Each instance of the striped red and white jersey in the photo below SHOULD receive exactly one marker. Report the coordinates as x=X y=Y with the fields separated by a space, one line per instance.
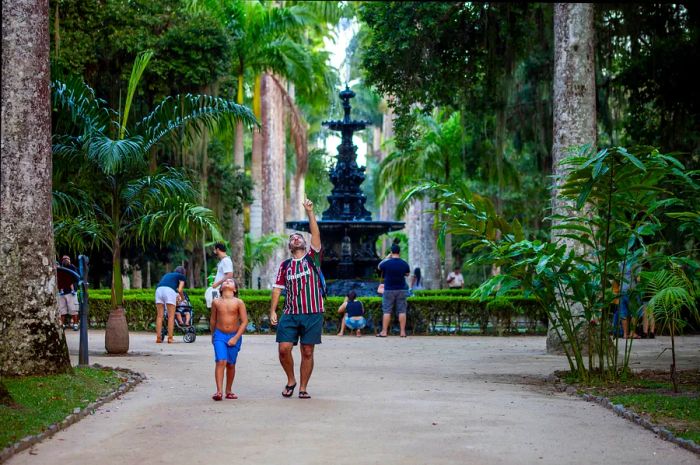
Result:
x=303 y=285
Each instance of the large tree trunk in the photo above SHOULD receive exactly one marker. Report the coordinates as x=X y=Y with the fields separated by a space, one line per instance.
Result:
x=422 y=243
x=387 y=210
x=574 y=98
x=256 y=174
x=237 y=231
x=273 y=170
x=31 y=342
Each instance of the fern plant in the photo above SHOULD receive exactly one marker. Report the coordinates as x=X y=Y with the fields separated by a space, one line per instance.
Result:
x=670 y=292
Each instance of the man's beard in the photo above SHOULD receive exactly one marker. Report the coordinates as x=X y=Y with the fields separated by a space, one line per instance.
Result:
x=293 y=249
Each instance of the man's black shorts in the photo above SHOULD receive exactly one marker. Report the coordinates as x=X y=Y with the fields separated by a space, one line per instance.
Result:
x=305 y=327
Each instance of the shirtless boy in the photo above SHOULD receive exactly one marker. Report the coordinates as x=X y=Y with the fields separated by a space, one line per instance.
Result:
x=229 y=320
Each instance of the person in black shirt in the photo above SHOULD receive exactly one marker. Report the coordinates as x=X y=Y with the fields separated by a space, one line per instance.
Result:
x=354 y=314
x=395 y=294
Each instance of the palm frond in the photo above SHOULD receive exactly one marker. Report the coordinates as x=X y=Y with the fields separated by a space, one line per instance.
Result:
x=175 y=218
x=137 y=70
x=114 y=156
x=73 y=99
x=181 y=111
x=148 y=192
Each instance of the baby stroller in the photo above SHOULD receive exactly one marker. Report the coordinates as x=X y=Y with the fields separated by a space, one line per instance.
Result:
x=186 y=312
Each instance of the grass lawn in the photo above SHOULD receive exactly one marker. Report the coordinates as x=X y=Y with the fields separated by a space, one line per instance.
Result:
x=41 y=401
x=650 y=394
x=680 y=413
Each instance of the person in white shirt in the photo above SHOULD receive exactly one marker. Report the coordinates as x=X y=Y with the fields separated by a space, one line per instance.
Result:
x=224 y=270
x=455 y=280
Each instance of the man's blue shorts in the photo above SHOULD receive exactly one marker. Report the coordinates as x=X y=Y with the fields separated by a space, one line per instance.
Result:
x=306 y=328
x=222 y=351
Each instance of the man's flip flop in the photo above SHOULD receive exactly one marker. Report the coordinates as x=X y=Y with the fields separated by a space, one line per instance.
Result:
x=289 y=390
x=380 y=335
x=304 y=395
x=217 y=396
x=231 y=395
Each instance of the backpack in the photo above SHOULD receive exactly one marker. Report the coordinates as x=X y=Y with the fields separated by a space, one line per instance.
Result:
x=312 y=265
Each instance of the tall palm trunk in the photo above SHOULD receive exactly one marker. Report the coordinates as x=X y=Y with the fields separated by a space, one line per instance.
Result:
x=574 y=99
x=31 y=342
x=273 y=169
x=387 y=210
x=423 y=252
x=237 y=231
x=256 y=174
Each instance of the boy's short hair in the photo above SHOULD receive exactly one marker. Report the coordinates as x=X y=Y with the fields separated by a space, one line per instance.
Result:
x=220 y=246
x=395 y=248
x=180 y=269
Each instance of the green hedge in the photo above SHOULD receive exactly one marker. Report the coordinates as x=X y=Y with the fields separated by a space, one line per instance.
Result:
x=426 y=315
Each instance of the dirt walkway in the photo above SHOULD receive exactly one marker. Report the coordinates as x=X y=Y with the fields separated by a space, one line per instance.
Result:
x=420 y=400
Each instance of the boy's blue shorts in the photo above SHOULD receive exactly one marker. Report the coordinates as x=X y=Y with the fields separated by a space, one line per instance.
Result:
x=222 y=351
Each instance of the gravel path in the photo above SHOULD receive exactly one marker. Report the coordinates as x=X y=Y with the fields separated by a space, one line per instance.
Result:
x=419 y=400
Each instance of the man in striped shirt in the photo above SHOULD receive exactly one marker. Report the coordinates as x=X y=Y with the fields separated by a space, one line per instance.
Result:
x=302 y=318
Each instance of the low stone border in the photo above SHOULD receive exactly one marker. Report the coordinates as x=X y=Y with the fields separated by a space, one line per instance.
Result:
x=623 y=412
x=133 y=378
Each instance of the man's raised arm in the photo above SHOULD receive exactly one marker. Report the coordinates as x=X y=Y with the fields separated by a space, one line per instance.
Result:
x=313 y=225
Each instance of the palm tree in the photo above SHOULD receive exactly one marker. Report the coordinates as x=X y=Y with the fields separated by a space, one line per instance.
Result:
x=438 y=156
x=277 y=40
x=258 y=252
x=107 y=197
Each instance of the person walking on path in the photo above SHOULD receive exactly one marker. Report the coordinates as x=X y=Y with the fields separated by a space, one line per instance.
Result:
x=302 y=319
x=224 y=269
x=394 y=270
x=67 y=293
x=228 y=322
x=169 y=290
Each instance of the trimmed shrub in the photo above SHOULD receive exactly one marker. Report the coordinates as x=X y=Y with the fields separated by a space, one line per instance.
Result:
x=426 y=314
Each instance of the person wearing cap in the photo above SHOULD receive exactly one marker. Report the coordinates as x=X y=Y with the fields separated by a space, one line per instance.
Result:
x=395 y=270
x=67 y=293
x=169 y=290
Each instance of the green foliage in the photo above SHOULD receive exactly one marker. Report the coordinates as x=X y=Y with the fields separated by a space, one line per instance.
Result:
x=258 y=251
x=681 y=412
x=669 y=292
x=619 y=200
x=427 y=314
x=107 y=195
x=44 y=400
x=317 y=184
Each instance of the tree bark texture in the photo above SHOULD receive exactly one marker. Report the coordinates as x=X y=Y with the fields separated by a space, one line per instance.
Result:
x=422 y=243
x=32 y=341
x=273 y=171
x=574 y=106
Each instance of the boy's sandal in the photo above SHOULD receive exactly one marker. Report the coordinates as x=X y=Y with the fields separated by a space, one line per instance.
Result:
x=231 y=395
x=170 y=340
x=304 y=395
x=159 y=340
x=217 y=396
x=289 y=390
